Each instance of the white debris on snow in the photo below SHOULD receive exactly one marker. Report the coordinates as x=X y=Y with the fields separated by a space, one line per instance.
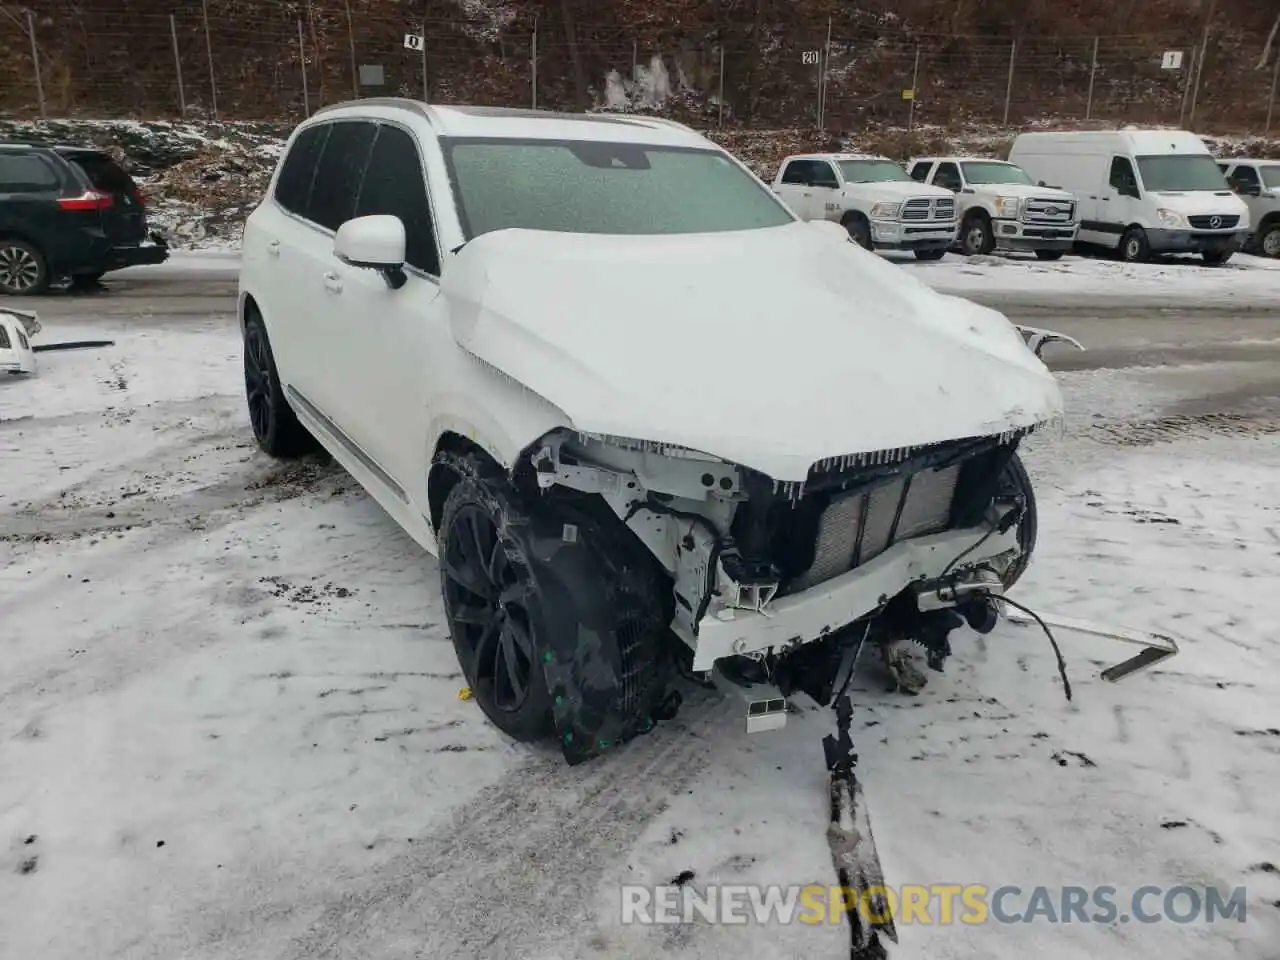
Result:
x=230 y=723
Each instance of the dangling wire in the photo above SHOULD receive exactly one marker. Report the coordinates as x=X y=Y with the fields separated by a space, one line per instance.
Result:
x=1057 y=652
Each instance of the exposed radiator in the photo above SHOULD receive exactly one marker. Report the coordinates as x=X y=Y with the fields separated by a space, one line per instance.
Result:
x=857 y=527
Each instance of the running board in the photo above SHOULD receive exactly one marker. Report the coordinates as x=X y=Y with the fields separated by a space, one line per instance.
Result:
x=1157 y=647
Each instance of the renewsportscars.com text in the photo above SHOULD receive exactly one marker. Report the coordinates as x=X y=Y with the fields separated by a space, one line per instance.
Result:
x=939 y=904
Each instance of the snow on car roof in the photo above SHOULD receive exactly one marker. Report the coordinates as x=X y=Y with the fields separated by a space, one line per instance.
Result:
x=519 y=123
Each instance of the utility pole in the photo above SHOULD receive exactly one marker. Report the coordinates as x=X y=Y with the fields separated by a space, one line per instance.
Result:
x=1204 y=47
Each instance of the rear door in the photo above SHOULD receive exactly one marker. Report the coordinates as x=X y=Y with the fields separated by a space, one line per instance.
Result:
x=124 y=218
x=30 y=183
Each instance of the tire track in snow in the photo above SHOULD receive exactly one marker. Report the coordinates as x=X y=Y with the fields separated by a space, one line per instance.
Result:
x=516 y=871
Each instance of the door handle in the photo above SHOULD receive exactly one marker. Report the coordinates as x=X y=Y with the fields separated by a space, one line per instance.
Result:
x=333 y=283
x=273 y=248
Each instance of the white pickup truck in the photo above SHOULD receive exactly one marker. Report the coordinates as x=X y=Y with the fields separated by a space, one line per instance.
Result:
x=873 y=198
x=1257 y=183
x=1002 y=207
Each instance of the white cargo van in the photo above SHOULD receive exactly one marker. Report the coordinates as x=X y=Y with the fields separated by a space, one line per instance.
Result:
x=1140 y=191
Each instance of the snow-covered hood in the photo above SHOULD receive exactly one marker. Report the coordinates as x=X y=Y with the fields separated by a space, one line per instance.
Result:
x=895 y=190
x=1193 y=203
x=770 y=348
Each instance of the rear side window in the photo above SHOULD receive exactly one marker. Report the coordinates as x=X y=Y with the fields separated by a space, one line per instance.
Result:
x=346 y=152
x=394 y=184
x=26 y=172
x=293 y=187
x=921 y=170
x=104 y=173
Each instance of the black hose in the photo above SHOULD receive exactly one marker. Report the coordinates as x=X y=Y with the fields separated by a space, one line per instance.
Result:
x=1053 y=642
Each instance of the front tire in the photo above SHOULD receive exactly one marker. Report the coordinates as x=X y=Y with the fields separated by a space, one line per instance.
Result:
x=1134 y=247
x=275 y=427
x=930 y=254
x=859 y=231
x=976 y=237
x=1049 y=254
x=1269 y=241
x=23 y=269
x=1214 y=258
x=1015 y=481
x=490 y=603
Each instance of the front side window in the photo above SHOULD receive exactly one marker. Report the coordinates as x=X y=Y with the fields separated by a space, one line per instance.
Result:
x=579 y=186
x=394 y=183
x=1244 y=179
x=992 y=172
x=1122 y=177
x=338 y=175
x=872 y=171
x=1184 y=173
x=948 y=177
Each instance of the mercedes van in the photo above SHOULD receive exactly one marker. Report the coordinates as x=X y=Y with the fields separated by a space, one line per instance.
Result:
x=1141 y=192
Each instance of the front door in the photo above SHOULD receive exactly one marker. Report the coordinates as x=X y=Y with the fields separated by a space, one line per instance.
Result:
x=1119 y=204
x=393 y=337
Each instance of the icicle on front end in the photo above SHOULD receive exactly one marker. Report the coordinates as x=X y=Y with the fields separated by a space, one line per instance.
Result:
x=853 y=848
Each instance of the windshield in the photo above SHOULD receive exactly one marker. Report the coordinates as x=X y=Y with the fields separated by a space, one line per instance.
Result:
x=580 y=186
x=1175 y=174
x=992 y=172
x=872 y=171
x=1271 y=177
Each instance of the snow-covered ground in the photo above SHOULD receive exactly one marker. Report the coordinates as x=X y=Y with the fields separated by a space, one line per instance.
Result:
x=230 y=724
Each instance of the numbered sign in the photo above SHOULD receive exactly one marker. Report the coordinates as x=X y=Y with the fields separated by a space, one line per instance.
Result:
x=412 y=41
x=1171 y=60
x=809 y=57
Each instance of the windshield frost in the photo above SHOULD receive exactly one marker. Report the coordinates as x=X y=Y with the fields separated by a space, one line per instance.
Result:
x=995 y=173
x=1183 y=173
x=598 y=187
x=872 y=171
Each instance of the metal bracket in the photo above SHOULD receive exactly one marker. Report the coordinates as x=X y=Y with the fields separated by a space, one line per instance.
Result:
x=1038 y=338
x=1157 y=647
x=766 y=706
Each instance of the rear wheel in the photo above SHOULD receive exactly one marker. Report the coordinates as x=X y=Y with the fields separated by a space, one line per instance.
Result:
x=275 y=427
x=23 y=270
x=488 y=592
x=930 y=254
x=1049 y=254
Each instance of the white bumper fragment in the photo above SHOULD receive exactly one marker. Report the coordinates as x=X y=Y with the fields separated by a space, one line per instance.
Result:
x=16 y=355
x=828 y=606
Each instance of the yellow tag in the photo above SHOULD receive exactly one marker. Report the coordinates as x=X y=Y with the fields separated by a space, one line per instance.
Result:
x=464 y=693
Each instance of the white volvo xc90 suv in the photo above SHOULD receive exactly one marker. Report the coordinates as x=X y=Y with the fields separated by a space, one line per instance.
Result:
x=643 y=415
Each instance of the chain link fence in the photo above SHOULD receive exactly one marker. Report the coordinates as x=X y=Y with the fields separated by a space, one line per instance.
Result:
x=285 y=60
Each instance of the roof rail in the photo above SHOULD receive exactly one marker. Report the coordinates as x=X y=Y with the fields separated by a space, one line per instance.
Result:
x=419 y=107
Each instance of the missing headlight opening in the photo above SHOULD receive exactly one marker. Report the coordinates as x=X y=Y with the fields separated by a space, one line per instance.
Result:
x=770 y=583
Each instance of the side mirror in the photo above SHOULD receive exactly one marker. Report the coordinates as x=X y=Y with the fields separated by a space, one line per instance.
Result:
x=1252 y=190
x=374 y=243
x=1041 y=184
